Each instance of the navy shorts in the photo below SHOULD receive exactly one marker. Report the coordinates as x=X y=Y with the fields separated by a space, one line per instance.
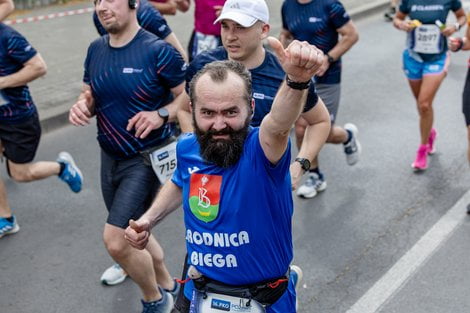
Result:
x=20 y=141
x=128 y=188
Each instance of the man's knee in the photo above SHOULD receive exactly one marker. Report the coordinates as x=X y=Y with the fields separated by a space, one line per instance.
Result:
x=19 y=172
x=114 y=241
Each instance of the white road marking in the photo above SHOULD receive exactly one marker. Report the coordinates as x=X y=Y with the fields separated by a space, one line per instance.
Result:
x=415 y=258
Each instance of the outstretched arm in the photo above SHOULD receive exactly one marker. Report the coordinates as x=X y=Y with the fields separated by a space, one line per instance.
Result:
x=32 y=69
x=300 y=62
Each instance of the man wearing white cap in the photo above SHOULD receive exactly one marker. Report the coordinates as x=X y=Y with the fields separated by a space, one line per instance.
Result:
x=244 y=26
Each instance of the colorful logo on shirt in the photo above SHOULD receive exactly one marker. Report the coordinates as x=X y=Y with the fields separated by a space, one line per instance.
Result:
x=204 y=196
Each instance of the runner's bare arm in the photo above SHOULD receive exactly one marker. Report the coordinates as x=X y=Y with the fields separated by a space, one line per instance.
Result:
x=173 y=40
x=285 y=37
x=300 y=61
x=168 y=200
x=184 y=114
x=32 y=69
x=314 y=138
x=6 y=7
x=455 y=27
x=165 y=8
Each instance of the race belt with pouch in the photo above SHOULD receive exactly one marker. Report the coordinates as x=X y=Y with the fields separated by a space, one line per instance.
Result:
x=162 y=158
x=211 y=296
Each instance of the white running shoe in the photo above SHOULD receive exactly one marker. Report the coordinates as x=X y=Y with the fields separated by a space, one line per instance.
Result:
x=312 y=186
x=113 y=275
x=353 y=148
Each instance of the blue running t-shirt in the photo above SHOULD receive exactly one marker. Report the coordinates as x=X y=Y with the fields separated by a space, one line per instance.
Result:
x=316 y=22
x=148 y=17
x=428 y=13
x=266 y=80
x=16 y=104
x=238 y=220
x=127 y=80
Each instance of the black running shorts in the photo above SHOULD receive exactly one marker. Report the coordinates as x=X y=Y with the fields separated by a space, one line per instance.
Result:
x=20 y=141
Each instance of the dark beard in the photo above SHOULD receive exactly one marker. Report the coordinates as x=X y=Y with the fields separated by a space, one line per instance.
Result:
x=222 y=152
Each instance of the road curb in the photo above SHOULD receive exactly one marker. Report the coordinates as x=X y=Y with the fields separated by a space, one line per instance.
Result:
x=369 y=9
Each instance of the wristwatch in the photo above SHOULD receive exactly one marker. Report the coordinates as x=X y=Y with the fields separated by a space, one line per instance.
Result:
x=164 y=114
x=304 y=163
x=330 y=58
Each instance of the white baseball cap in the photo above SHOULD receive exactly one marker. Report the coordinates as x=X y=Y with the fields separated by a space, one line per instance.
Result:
x=245 y=12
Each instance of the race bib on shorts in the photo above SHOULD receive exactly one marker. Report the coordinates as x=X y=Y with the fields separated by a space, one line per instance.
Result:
x=205 y=42
x=164 y=161
x=427 y=39
x=218 y=303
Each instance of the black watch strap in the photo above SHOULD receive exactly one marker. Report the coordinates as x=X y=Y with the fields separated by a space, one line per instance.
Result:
x=304 y=163
x=297 y=85
x=164 y=114
x=330 y=58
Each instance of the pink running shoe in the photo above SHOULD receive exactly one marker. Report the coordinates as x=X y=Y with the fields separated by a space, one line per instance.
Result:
x=432 y=141
x=421 y=162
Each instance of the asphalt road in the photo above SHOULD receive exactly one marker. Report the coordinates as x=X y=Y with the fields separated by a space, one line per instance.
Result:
x=345 y=240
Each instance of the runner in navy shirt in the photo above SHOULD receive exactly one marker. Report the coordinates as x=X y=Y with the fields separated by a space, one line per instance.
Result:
x=325 y=24
x=131 y=80
x=20 y=130
x=244 y=44
x=151 y=20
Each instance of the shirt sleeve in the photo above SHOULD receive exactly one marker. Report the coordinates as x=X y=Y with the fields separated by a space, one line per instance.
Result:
x=19 y=48
x=283 y=16
x=456 y=5
x=151 y=20
x=338 y=15
x=404 y=8
x=190 y=72
x=177 y=178
x=171 y=66
x=86 y=74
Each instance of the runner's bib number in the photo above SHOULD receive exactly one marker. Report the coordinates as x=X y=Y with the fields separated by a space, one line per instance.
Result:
x=205 y=42
x=427 y=39
x=164 y=161
x=216 y=303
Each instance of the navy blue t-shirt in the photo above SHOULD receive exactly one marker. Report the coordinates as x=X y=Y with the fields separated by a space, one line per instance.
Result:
x=266 y=80
x=148 y=17
x=316 y=22
x=16 y=104
x=428 y=13
x=127 y=80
